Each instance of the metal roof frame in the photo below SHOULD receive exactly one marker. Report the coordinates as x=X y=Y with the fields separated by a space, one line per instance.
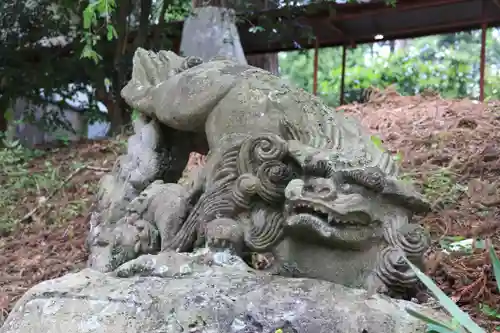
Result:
x=356 y=23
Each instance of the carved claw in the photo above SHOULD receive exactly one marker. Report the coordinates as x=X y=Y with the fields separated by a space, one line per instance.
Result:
x=224 y=233
x=261 y=261
x=165 y=264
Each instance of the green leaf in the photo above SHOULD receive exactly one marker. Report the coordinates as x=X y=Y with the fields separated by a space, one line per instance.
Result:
x=489 y=311
x=88 y=16
x=87 y=49
x=480 y=244
x=398 y=157
x=431 y=321
x=96 y=57
x=9 y=115
x=88 y=52
x=377 y=141
x=255 y=29
x=461 y=317
x=438 y=329
x=111 y=32
x=495 y=262
x=454 y=238
x=102 y=6
x=135 y=114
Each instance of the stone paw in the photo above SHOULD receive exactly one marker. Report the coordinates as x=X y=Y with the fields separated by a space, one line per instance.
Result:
x=224 y=233
x=261 y=261
x=216 y=243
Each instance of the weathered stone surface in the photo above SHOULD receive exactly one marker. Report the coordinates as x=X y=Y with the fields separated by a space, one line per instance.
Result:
x=211 y=31
x=201 y=292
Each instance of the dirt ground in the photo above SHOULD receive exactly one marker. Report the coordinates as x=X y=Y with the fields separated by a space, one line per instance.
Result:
x=450 y=148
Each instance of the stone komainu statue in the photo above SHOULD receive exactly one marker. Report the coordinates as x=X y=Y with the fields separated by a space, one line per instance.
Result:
x=284 y=174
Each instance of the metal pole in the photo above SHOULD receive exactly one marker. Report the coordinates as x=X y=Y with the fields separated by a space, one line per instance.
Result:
x=342 y=79
x=315 y=74
x=482 y=63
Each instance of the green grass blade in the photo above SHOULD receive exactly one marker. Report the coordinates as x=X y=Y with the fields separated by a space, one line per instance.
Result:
x=431 y=328
x=461 y=317
x=495 y=262
x=428 y=320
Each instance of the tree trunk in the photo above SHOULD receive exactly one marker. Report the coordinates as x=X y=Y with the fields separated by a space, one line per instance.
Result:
x=4 y=105
x=392 y=46
x=142 y=34
x=267 y=61
x=3 y=121
x=118 y=114
x=401 y=44
x=160 y=27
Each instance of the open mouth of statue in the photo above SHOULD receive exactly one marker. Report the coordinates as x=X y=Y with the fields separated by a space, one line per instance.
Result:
x=324 y=214
x=329 y=225
x=317 y=211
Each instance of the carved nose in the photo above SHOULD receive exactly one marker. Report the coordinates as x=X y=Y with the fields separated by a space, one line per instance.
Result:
x=320 y=191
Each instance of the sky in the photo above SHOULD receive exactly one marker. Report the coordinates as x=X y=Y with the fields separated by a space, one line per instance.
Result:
x=80 y=100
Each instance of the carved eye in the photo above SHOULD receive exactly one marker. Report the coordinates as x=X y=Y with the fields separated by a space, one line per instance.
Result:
x=347 y=188
x=197 y=61
x=191 y=62
x=102 y=242
x=371 y=177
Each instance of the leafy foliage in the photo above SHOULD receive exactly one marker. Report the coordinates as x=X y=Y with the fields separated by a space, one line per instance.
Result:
x=15 y=177
x=35 y=63
x=92 y=29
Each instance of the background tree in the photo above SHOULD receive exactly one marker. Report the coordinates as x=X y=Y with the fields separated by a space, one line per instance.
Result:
x=267 y=61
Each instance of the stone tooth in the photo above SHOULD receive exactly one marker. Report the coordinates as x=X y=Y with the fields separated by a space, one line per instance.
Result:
x=319 y=209
x=330 y=218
